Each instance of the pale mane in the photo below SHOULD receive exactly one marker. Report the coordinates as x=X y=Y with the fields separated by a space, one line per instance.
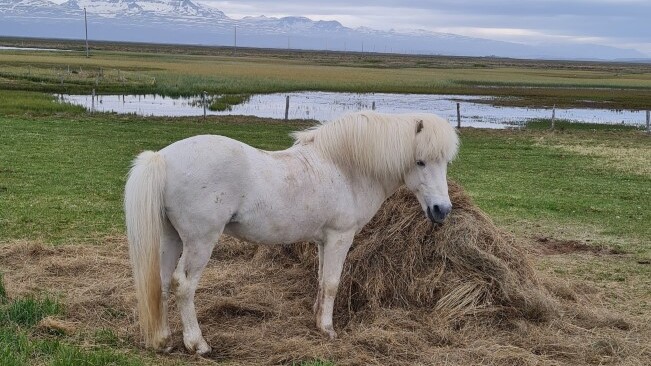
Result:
x=382 y=145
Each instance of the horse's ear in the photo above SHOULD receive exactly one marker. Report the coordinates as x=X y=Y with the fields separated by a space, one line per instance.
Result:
x=419 y=126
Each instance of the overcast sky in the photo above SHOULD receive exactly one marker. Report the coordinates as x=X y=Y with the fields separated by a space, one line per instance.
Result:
x=621 y=23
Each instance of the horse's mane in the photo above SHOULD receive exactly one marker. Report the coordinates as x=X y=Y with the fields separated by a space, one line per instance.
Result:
x=382 y=145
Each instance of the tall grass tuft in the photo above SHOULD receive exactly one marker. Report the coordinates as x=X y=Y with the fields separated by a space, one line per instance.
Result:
x=29 y=311
x=3 y=290
x=14 y=347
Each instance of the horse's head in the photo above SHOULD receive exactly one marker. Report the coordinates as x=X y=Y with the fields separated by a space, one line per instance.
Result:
x=436 y=145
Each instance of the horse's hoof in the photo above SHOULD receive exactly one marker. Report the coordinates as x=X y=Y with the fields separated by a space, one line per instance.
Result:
x=204 y=350
x=199 y=347
x=166 y=350
x=330 y=332
x=163 y=344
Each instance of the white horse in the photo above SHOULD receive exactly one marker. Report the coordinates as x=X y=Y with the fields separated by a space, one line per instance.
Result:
x=324 y=189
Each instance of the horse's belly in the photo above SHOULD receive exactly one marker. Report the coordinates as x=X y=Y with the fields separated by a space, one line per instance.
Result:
x=272 y=233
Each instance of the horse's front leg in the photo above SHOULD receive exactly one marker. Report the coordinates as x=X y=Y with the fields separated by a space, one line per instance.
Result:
x=317 y=300
x=335 y=250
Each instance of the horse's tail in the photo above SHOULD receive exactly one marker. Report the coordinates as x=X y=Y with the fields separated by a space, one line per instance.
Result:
x=144 y=210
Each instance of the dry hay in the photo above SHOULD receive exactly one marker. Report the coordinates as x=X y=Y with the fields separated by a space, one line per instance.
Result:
x=466 y=267
x=461 y=293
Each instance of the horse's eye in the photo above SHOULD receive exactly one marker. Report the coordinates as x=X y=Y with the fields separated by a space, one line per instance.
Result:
x=420 y=163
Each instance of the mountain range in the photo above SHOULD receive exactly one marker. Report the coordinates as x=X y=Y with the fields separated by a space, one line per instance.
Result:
x=187 y=22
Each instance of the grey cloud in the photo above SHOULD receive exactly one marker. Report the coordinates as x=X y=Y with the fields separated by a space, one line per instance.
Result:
x=622 y=21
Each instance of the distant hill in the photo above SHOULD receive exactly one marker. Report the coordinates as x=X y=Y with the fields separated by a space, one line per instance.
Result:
x=186 y=22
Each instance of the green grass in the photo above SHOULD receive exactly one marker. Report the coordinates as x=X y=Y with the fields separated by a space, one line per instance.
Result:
x=22 y=343
x=3 y=290
x=61 y=179
x=227 y=101
x=24 y=347
x=30 y=310
x=540 y=179
x=32 y=103
x=564 y=125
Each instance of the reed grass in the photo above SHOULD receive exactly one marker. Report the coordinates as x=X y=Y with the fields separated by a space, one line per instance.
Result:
x=227 y=101
x=34 y=103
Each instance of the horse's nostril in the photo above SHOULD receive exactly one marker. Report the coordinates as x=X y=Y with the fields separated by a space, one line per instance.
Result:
x=430 y=214
x=437 y=210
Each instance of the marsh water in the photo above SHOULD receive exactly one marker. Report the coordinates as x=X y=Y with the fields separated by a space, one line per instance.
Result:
x=476 y=111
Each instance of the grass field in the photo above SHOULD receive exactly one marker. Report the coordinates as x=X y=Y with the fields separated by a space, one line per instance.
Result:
x=62 y=171
x=126 y=68
x=72 y=169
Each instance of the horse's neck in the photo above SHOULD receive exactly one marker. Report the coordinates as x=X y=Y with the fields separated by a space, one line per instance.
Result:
x=368 y=192
x=379 y=189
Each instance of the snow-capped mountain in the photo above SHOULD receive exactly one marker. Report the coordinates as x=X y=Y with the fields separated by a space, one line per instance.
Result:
x=187 y=22
x=155 y=8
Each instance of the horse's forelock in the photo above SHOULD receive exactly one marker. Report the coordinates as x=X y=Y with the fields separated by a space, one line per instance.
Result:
x=437 y=140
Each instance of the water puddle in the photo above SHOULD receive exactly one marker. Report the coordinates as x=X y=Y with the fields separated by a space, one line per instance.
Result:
x=325 y=106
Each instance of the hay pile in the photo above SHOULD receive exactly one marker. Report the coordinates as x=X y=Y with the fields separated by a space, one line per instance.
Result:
x=466 y=267
x=463 y=293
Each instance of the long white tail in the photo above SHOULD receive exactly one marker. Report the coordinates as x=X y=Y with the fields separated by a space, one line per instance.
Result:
x=144 y=209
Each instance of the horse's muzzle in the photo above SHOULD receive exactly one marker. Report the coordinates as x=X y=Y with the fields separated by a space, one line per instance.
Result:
x=438 y=213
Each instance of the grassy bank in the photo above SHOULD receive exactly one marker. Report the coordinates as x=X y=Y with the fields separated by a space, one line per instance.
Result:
x=125 y=68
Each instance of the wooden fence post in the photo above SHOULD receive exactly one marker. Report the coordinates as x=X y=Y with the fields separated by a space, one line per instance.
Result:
x=553 y=115
x=458 y=115
x=92 y=102
x=203 y=102
x=373 y=106
x=286 y=108
x=648 y=121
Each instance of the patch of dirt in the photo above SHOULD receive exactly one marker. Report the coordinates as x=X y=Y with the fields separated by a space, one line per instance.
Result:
x=633 y=160
x=551 y=246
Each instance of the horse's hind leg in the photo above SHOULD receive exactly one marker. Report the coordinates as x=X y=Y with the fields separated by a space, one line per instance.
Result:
x=170 y=251
x=196 y=253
